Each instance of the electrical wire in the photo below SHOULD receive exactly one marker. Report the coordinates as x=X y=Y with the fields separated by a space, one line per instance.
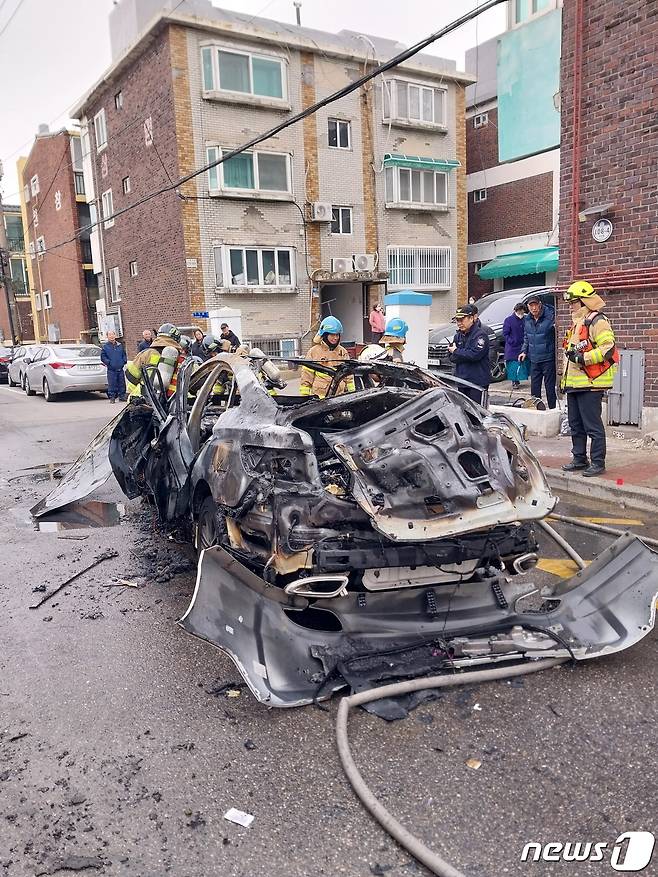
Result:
x=332 y=98
x=9 y=20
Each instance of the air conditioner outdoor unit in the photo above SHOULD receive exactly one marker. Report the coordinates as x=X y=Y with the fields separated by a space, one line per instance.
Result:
x=321 y=211
x=341 y=266
x=364 y=261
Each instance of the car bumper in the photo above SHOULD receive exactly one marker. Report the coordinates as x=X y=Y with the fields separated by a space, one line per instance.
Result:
x=60 y=382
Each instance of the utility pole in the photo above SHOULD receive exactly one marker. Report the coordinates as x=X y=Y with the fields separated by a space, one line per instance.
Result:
x=4 y=266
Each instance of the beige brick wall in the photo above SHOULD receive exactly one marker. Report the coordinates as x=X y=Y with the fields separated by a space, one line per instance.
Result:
x=461 y=266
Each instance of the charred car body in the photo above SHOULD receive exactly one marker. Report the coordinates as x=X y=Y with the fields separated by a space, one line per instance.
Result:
x=381 y=534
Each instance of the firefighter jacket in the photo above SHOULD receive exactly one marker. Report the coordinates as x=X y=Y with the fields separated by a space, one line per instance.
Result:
x=471 y=357
x=592 y=335
x=316 y=383
x=150 y=357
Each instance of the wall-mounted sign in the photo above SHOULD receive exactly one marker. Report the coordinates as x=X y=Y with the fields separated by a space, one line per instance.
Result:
x=601 y=230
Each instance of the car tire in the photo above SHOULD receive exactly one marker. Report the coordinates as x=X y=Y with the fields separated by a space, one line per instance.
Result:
x=28 y=389
x=499 y=370
x=211 y=527
x=48 y=394
x=10 y=383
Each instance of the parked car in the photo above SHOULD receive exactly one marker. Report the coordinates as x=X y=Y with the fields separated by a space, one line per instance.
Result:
x=64 y=368
x=493 y=309
x=6 y=354
x=16 y=370
x=379 y=534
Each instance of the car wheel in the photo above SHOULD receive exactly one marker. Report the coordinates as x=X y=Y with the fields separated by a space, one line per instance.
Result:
x=28 y=389
x=499 y=370
x=48 y=394
x=10 y=383
x=211 y=528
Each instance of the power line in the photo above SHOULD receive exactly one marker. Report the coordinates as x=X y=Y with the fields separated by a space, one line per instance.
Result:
x=9 y=20
x=309 y=111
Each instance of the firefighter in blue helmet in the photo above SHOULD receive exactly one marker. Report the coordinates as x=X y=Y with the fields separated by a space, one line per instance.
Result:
x=470 y=351
x=328 y=350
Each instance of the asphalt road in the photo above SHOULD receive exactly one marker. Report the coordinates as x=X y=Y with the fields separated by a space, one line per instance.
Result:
x=121 y=748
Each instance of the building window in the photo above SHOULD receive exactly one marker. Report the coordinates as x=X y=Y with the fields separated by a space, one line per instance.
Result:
x=34 y=185
x=47 y=300
x=480 y=120
x=26 y=193
x=479 y=195
x=41 y=246
x=247 y=266
x=125 y=182
x=118 y=100
x=478 y=265
x=418 y=267
x=108 y=209
x=114 y=282
x=35 y=217
x=409 y=186
x=242 y=73
x=148 y=131
x=133 y=269
x=37 y=301
x=340 y=135
x=522 y=10
x=100 y=130
x=58 y=200
x=250 y=172
x=79 y=182
x=409 y=102
x=341 y=220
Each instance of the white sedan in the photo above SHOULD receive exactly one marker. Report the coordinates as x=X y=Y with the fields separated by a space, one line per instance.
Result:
x=64 y=368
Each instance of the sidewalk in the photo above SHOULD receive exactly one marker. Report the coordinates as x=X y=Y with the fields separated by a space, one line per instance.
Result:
x=631 y=476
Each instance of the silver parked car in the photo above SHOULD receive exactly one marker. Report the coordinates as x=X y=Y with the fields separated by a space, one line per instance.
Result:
x=17 y=366
x=64 y=368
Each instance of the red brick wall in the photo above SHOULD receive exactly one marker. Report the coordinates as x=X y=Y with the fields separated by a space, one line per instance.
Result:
x=151 y=235
x=617 y=163
x=511 y=209
x=477 y=287
x=59 y=270
x=482 y=144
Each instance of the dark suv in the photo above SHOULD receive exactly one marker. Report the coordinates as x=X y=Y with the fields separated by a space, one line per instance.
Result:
x=493 y=309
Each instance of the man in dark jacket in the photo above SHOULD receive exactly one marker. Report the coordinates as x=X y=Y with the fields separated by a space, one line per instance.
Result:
x=113 y=357
x=539 y=347
x=229 y=335
x=147 y=339
x=513 y=334
x=470 y=351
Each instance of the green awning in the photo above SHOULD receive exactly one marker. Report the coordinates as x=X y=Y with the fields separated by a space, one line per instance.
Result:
x=395 y=159
x=515 y=264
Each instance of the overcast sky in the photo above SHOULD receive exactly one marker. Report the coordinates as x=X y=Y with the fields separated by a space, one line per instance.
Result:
x=51 y=51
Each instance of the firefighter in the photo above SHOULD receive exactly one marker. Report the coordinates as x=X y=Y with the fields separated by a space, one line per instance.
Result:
x=394 y=339
x=470 y=352
x=328 y=350
x=161 y=355
x=589 y=367
x=211 y=347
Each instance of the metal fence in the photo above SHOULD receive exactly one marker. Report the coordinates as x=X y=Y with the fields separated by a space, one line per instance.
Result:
x=278 y=347
x=419 y=267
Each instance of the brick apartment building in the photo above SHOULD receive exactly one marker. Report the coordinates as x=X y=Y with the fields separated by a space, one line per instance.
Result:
x=379 y=176
x=512 y=151
x=55 y=206
x=19 y=284
x=608 y=158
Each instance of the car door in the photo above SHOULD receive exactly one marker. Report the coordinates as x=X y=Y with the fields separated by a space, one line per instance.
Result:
x=14 y=365
x=34 y=369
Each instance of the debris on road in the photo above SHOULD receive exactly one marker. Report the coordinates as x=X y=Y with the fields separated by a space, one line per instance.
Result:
x=239 y=817
x=105 y=555
x=473 y=763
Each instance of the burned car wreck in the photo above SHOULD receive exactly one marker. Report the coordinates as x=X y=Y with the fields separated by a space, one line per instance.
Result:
x=378 y=535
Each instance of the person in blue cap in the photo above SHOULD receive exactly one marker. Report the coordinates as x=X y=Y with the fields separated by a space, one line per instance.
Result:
x=470 y=351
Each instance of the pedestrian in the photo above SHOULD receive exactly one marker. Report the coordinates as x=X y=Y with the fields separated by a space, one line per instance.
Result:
x=113 y=357
x=470 y=352
x=147 y=339
x=197 y=348
x=589 y=367
x=230 y=335
x=539 y=348
x=377 y=322
x=327 y=350
x=513 y=334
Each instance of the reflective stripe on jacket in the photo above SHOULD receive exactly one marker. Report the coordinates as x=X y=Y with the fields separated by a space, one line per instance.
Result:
x=316 y=383
x=574 y=376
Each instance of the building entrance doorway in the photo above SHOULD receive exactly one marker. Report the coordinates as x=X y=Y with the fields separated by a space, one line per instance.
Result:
x=351 y=302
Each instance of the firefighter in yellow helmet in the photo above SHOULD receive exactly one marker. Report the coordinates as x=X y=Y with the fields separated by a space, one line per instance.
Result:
x=589 y=367
x=328 y=350
x=162 y=355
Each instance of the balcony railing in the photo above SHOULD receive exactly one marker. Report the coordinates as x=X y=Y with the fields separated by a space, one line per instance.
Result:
x=16 y=245
x=79 y=182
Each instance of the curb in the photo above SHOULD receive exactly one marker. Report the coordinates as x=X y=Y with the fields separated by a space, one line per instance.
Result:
x=643 y=498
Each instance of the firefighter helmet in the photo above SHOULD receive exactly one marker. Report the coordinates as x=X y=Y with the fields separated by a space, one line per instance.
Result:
x=396 y=328
x=330 y=326
x=579 y=289
x=170 y=331
x=210 y=344
x=185 y=343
